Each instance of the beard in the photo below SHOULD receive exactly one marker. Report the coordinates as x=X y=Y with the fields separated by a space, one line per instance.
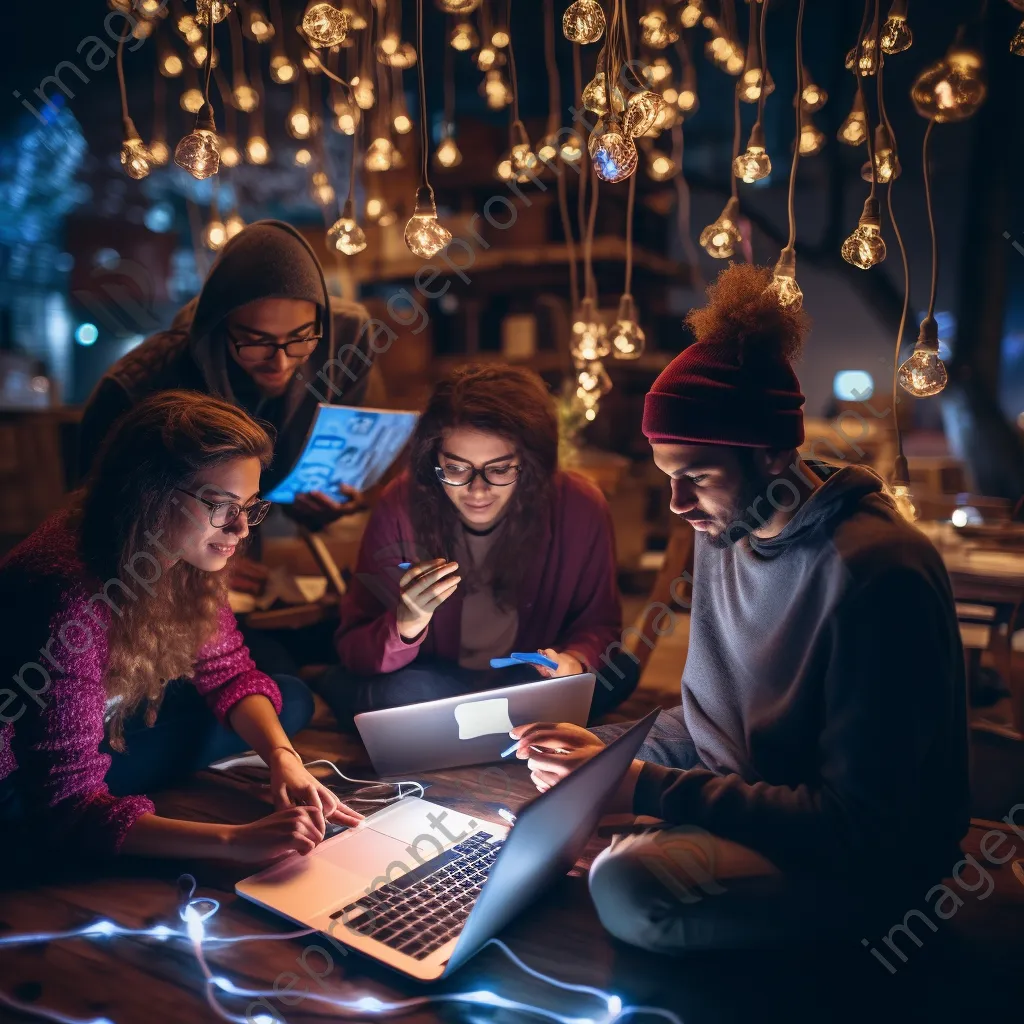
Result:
x=740 y=520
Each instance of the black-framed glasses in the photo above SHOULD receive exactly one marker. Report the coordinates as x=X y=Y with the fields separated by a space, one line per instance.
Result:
x=463 y=476
x=264 y=351
x=224 y=513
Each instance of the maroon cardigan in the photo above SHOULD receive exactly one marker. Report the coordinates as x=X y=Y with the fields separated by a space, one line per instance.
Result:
x=55 y=628
x=569 y=600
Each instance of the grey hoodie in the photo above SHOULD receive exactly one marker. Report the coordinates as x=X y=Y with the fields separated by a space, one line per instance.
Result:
x=824 y=691
x=268 y=259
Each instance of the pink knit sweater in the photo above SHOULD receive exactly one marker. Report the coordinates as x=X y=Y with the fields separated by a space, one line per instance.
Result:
x=52 y=714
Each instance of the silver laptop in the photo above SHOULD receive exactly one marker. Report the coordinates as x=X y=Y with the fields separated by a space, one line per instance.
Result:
x=421 y=888
x=469 y=729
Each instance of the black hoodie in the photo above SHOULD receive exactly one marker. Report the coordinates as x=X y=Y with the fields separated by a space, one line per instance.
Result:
x=268 y=259
x=824 y=690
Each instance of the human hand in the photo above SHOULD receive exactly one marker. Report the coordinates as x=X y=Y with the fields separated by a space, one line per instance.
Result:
x=316 y=510
x=278 y=835
x=568 y=664
x=246 y=576
x=424 y=588
x=291 y=785
x=552 y=750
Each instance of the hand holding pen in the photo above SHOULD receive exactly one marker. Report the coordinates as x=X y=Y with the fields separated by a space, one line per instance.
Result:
x=552 y=750
x=424 y=587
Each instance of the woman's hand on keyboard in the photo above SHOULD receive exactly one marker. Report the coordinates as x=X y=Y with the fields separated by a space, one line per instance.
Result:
x=278 y=835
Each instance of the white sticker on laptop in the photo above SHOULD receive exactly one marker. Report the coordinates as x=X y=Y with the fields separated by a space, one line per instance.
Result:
x=483 y=718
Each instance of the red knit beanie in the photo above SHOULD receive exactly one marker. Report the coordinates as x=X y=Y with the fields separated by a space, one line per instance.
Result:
x=735 y=385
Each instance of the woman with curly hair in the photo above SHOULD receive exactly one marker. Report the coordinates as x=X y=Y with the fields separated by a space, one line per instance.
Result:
x=130 y=671
x=508 y=552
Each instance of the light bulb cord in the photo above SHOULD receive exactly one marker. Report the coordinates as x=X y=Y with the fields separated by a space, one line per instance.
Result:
x=630 y=203
x=159 y=104
x=237 y=52
x=209 y=56
x=762 y=41
x=931 y=216
x=230 y=123
x=551 y=65
x=581 y=194
x=791 y=199
x=120 y=79
x=449 y=88
x=511 y=66
x=857 y=50
x=554 y=109
x=422 y=78
x=588 y=246
x=737 y=125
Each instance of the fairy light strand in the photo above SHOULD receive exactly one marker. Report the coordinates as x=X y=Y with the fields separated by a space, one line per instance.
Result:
x=931 y=217
x=422 y=79
x=791 y=198
x=860 y=93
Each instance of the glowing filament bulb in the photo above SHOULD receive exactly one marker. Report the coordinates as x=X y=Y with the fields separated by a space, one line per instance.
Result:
x=866 y=247
x=229 y=155
x=191 y=101
x=595 y=96
x=854 y=130
x=750 y=85
x=500 y=38
x=303 y=157
x=300 y=123
x=322 y=190
x=691 y=13
x=424 y=234
x=233 y=225
x=571 y=149
x=246 y=98
x=593 y=380
x=159 y=153
x=379 y=155
x=924 y=374
x=661 y=167
x=325 y=25
x=171 y=65
x=659 y=70
x=952 y=89
x=656 y=31
x=199 y=151
x=362 y=92
x=215 y=235
x=402 y=123
x=642 y=113
x=260 y=27
x=496 y=90
x=583 y=22
x=615 y=156
x=348 y=116
x=448 y=153
x=523 y=160
x=463 y=37
x=627 y=338
x=589 y=335
x=863 y=58
x=458 y=6
x=135 y=157
x=220 y=9
x=687 y=101
x=753 y=163
x=813 y=96
x=896 y=35
x=282 y=70
x=503 y=168
x=720 y=238
x=346 y=236
x=783 y=282
x=887 y=166
x=812 y=139
x=257 y=150
x=486 y=58
x=547 y=151
x=1017 y=42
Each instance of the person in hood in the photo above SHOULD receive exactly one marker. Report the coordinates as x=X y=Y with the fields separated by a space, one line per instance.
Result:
x=265 y=335
x=814 y=778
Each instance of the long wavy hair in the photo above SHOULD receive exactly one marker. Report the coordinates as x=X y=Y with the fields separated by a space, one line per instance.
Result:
x=515 y=404
x=130 y=499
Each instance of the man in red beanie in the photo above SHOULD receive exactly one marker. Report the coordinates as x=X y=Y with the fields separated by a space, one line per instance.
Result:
x=813 y=780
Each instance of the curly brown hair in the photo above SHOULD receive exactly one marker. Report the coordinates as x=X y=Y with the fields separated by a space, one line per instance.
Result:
x=514 y=403
x=743 y=311
x=164 y=443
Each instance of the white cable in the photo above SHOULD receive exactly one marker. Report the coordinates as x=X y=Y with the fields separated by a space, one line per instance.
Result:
x=371 y=783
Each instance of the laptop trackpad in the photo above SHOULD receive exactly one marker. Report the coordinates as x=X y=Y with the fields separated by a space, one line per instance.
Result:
x=423 y=825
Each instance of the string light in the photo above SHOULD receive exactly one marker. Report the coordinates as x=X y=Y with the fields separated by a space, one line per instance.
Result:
x=952 y=89
x=159 y=152
x=656 y=31
x=886 y=163
x=258 y=26
x=643 y=112
x=257 y=150
x=812 y=139
x=199 y=151
x=589 y=335
x=345 y=235
x=448 y=153
x=583 y=22
x=571 y=150
x=424 y=234
x=896 y=35
x=614 y=154
x=463 y=37
x=486 y=58
x=392 y=52
x=303 y=157
x=325 y=25
x=813 y=97
x=854 y=129
x=753 y=163
x=229 y=154
x=784 y=282
x=458 y=6
x=863 y=58
x=199 y=54
x=219 y=8
x=659 y=70
x=496 y=90
x=901 y=489
x=691 y=13
x=347 y=115
x=233 y=225
x=661 y=167
x=866 y=247
x=363 y=92
x=246 y=98
x=171 y=65
x=720 y=238
x=627 y=338
x=1017 y=42
x=754 y=70
x=321 y=189
x=282 y=70
x=136 y=159
x=215 y=235
x=379 y=155
x=300 y=122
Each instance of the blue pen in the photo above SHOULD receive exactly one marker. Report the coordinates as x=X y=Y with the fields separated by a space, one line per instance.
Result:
x=405 y=565
x=542 y=750
x=511 y=749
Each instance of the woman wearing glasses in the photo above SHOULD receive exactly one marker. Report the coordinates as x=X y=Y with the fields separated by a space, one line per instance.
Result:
x=129 y=671
x=507 y=552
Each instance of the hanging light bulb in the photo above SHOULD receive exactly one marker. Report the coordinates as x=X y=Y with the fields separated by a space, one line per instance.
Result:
x=379 y=155
x=643 y=112
x=321 y=189
x=901 y=489
x=198 y=152
x=220 y=9
x=257 y=150
x=661 y=167
x=523 y=160
x=547 y=150
x=863 y=58
x=503 y=168
x=496 y=90
x=595 y=96
x=424 y=234
x=259 y=28
x=724 y=52
x=571 y=149
x=300 y=122
x=589 y=335
x=583 y=22
x=720 y=238
x=783 y=282
x=887 y=166
x=135 y=157
x=750 y=85
x=691 y=13
x=282 y=70
x=311 y=63
x=325 y=25
x=356 y=18
x=953 y=88
x=854 y=130
x=659 y=70
x=246 y=98
x=627 y=339
x=191 y=101
x=656 y=31
x=171 y=65
x=362 y=92
x=924 y=374
x=303 y=157
x=896 y=35
x=1017 y=42
x=345 y=235
x=198 y=55
x=215 y=234
x=614 y=154
x=500 y=37
x=458 y=6
x=348 y=116
x=753 y=163
x=866 y=247
x=447 y=153
x=233 y=225
x=160 y=153
x=393 y=53
x=593 y=380
x=812 y=139
x=229 y=155
x=487 y=58
x=402 y=123
x=463 y=37
x=813 y=96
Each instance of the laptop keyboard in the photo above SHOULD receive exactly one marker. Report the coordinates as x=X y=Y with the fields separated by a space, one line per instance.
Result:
x=419 y=912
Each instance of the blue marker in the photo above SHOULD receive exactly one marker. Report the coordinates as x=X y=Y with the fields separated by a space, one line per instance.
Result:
x=511 y=749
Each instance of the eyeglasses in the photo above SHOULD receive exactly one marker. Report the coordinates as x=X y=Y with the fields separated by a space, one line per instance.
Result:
x=224 y=513
x=264 y=351
x=463 y=476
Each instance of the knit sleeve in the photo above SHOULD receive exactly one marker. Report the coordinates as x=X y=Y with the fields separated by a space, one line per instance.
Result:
x=56 y=741
x=225 y=672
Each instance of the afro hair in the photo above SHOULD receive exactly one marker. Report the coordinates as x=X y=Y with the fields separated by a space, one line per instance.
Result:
x=743 y=311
